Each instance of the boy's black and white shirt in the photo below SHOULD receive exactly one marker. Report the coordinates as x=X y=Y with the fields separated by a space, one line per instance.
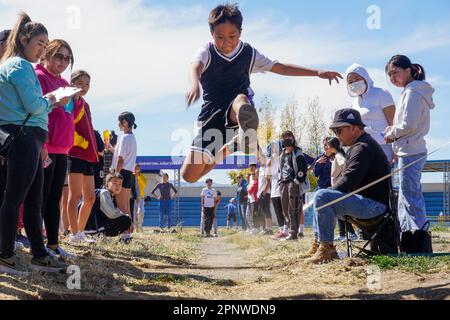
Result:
x=224 y=77
x=261 y=62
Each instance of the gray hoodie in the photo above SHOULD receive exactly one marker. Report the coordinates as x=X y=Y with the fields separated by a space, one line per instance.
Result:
x=412 y=119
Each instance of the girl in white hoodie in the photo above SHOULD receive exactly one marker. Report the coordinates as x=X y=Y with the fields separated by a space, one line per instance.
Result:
x=376 y=106
x=411 y=124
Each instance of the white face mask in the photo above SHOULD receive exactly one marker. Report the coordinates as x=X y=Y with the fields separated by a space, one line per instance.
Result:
x=357 y=88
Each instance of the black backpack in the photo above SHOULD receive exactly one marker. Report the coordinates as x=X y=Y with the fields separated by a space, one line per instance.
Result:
x=418 y=241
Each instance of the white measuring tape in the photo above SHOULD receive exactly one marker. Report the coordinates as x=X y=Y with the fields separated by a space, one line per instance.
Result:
x=309 y=204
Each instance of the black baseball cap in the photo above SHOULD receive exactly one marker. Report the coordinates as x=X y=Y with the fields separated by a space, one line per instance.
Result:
x=4 y=34
x=347 y=117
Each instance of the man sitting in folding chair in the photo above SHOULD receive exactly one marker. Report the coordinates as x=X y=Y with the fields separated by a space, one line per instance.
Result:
x=365 y=162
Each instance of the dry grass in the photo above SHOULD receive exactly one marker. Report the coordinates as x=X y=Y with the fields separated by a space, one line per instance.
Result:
x=233 y=266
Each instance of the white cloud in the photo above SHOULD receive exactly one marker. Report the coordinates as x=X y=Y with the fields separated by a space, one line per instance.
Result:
x=138 y=55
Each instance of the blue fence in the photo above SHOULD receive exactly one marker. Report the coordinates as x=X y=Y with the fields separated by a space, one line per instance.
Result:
x=190 y=209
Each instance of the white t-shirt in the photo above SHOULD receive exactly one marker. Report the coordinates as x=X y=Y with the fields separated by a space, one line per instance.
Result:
x=371 y=106
x=126 y=148
x=210 y=195
x=262 y=63
x=337 y=166
x=262 y=180
x=274 y=171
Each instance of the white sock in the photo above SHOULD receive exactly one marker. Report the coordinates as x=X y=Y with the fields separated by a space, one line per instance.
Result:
x=302 y=228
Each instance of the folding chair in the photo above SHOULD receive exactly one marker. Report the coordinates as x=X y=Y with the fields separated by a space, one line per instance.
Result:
x=383 y=231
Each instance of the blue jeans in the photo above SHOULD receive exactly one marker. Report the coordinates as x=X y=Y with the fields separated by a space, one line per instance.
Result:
x=165 y=208
x=355 y=206
x=242 y=207
x=411 y=204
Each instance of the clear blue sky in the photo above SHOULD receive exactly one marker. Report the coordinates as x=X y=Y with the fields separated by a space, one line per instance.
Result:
x=138 y=54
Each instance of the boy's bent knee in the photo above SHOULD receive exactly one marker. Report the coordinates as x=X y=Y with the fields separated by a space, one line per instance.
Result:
x=188 y=176
x=241 y=99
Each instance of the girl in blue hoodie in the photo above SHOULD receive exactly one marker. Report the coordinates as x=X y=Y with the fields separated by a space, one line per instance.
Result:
x=407 y=134
x=21 y=96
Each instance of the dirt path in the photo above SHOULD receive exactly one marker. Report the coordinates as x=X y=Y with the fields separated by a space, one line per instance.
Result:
x=232 y=266
x=222 y=261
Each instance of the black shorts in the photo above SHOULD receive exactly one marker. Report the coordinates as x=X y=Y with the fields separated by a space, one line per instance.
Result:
x=127 y=176
x=215 y=129
x=231 y=216
x=75 y=165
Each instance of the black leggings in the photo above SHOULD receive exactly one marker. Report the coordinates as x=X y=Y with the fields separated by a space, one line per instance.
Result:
x=276 y=201
x=114 y=227
x=54 y=177
x=24 y=181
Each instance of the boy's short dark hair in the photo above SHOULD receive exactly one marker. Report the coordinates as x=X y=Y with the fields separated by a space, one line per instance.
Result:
x=225 y=13
x=111 y=176
x=208 y=180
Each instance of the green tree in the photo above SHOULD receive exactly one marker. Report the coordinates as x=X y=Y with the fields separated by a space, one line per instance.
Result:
x=291 y=119
x=233 y=174
x=266 y=130
x=315 y=128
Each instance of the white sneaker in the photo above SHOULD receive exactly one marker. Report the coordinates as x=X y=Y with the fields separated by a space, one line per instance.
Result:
x=125 y=237
x=18 y=245
x=353 y=237
x=62 y=254
x=80 y=237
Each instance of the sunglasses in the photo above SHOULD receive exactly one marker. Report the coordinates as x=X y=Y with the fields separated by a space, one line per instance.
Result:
x=337 y=131
x=62 y=57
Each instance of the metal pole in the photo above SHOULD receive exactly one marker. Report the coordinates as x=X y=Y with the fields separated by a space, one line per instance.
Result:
x=177 y=183
x=446 y=189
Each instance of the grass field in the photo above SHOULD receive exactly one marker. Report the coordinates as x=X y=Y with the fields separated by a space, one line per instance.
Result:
x=233 y=266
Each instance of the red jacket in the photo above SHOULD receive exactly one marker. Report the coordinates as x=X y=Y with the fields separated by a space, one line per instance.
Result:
x=85 y=144
x=253 y=190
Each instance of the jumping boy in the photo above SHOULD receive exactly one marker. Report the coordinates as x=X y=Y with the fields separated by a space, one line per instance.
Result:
x=223 y=69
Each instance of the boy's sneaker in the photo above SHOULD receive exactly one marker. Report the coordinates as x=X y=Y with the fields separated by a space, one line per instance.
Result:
x=279 y=235
x=300 y=235
x=24 y=240
x=18 y=246
x=173 y=231
x=353 y=237
x=62 y=254
x=49 y=263
x=125 y=237
x=290 y=237
x=14 y=266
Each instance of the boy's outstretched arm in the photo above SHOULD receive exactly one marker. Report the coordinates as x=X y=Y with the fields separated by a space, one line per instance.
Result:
x=194 y=92
x=297 y=71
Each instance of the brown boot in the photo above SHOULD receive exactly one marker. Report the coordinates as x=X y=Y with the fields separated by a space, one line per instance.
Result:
x=325 y=253
x=314 y=246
